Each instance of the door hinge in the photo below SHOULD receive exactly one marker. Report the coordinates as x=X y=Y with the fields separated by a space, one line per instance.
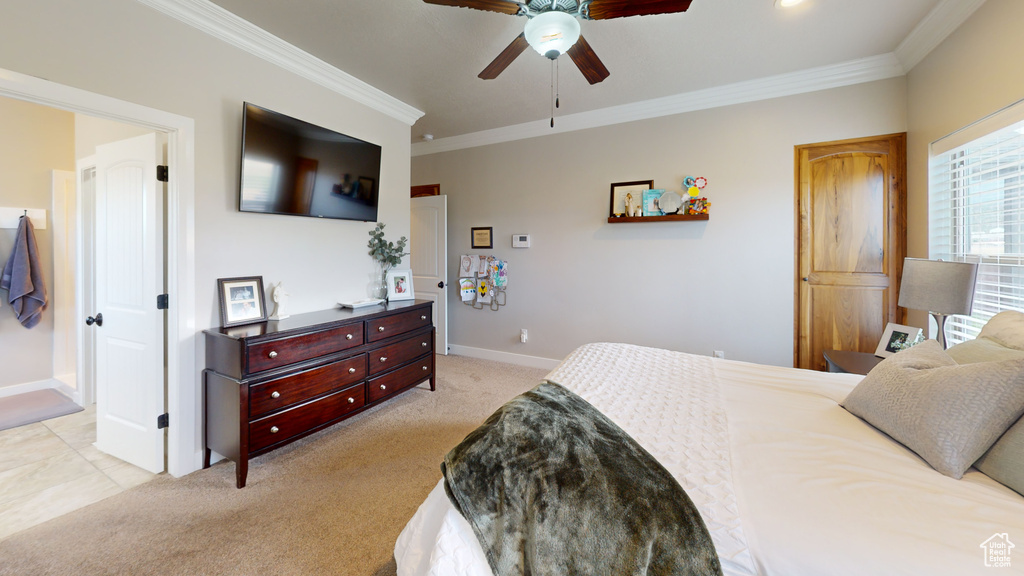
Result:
x=162 y=421
x=161 y=173
x=162 y=302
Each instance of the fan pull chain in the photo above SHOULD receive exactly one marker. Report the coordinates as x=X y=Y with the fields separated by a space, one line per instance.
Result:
x=553 y=93
x=554 y=89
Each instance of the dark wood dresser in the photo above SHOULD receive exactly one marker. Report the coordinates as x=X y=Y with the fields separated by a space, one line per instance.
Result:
x=271 y=383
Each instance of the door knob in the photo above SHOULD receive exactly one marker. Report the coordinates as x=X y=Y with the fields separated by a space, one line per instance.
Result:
x=98 y=320
x=440 y=284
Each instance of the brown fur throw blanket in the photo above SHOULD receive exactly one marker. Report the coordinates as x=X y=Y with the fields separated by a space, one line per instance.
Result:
x=553 y=487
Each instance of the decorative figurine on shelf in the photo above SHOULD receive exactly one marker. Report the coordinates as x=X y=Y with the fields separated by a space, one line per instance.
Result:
x=631 y=205
x=280 y=298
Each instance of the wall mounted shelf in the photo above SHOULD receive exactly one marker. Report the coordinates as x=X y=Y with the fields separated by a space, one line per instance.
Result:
x=666 y=218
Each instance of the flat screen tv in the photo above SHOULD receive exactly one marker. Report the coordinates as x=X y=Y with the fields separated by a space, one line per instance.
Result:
x=294 y=167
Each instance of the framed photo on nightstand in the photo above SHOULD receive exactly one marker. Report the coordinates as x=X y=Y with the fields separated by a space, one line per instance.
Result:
x=895 y=338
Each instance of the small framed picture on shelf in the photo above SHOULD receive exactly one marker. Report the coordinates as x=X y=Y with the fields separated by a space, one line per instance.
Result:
x=482 y=238
x=241 y=300
x=400 y=285
x=895 y=338
x=627 y=198
x=651 y=206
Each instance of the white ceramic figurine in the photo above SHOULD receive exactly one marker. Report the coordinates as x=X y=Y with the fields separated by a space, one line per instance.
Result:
x=280 y=297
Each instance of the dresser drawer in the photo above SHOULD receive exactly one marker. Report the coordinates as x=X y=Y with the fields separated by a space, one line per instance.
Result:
x=267 y=355
x=396 y=324
x=406 y=376
x=392 y=355
x=304 y=417
x=281 y=392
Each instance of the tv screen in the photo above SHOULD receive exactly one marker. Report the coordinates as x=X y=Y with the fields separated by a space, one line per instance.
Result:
x=294 y=167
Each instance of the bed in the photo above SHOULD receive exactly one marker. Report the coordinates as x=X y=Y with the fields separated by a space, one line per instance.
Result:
x=787 y=480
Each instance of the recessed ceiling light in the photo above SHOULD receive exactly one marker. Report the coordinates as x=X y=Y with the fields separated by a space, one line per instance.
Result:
x=787 y=3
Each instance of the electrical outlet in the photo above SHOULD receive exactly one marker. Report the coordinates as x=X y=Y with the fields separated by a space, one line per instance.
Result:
x=719 y=353
x=522 y=335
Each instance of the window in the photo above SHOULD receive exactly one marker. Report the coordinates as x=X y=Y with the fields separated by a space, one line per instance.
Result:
x=976 y=213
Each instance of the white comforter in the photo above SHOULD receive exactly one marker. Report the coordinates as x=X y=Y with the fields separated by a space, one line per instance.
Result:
x=789 y=483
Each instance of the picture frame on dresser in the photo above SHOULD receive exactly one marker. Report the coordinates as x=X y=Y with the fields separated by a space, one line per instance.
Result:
x=399 y=283
x=242 y=300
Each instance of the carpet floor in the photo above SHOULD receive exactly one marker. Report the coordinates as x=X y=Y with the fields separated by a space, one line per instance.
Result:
x=332 y=503
x=35 y=406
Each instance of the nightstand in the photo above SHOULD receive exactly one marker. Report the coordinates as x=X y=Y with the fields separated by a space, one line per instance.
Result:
x=852 y=362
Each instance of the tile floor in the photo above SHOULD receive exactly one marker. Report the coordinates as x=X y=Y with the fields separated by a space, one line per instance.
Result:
x=50 y=468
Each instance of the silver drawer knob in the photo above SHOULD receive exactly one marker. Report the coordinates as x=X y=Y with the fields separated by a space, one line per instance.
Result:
x=424 y=344
x=380 y=329
x=423 y=317
x=425 y=368
x=383 y=387
x=275 y=394
x=351 y=400
x=273 y=429
x=383 y=359
x=272 y=354
x=348 y=336
x=351 y=370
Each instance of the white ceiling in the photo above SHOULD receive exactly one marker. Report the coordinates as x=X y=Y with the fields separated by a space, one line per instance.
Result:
x=428 y=56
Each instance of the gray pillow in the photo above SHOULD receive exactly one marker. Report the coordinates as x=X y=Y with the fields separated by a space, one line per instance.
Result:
x=949 y=414
x=1004 y=461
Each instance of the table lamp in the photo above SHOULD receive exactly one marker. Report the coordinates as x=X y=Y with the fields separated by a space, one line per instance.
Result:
x=942 y=288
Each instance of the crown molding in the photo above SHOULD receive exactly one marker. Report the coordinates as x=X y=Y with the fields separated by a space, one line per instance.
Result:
x=219 y=23
x=946 y=17
x=809 y=80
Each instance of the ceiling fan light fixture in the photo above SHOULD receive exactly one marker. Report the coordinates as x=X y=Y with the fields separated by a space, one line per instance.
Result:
x=552 y=33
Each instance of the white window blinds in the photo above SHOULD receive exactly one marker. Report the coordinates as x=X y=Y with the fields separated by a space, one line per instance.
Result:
x=976 y=213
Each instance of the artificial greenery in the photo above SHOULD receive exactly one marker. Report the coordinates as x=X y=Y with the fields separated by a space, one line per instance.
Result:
x=388 y=254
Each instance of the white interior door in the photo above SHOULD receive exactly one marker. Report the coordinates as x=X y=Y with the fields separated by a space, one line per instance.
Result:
x=129 y=272
x=428 y=251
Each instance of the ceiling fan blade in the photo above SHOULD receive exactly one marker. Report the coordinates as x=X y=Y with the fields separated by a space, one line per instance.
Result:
x=503 y=6
x=605 y=9
x=510 y=53
x=587 y=61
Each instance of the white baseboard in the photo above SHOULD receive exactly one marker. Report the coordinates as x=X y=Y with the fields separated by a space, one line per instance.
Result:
x=519 y=359
x=42 y=385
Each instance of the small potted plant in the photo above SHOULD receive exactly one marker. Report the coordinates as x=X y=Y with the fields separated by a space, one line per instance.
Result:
x=387 y=255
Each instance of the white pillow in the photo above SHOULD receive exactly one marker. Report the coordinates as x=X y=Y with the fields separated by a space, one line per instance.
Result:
x=1007 y=328
x=949 y=414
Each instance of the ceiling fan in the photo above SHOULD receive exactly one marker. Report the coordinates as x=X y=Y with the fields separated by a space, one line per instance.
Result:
x=553 y=27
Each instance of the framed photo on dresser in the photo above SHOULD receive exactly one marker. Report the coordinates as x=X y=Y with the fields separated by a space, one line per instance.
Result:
x=400 y=285
x=241 y=300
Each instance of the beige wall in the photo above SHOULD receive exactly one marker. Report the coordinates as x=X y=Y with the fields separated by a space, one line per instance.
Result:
x=123 y=49
x=971 y=75
x=725 y=284
x=34 y=141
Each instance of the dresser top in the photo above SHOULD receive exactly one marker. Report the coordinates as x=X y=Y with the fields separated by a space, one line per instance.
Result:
x=321 y=318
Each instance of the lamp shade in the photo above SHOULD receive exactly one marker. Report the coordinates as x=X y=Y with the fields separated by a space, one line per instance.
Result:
x=937 y=286
x=552 y=33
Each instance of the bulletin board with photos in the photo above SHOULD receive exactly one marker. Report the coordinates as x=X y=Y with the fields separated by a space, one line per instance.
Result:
x=482 y=281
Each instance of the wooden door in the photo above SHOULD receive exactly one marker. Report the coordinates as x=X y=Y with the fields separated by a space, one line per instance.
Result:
x=851 y=240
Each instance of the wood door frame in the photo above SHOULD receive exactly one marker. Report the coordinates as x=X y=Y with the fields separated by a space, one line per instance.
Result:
x=183 y=403
x=896 y=220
